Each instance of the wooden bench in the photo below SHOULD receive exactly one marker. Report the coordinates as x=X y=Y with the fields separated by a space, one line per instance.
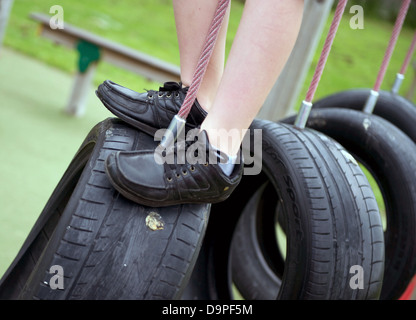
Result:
x=92 y=49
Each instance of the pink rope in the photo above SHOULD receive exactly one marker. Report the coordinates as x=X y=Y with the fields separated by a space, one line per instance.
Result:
x=326 y=49
x=408 y=56
x=392 y=43
x=204 y=58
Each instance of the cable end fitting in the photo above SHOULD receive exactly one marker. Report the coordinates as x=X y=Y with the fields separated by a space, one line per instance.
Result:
x=303 y=115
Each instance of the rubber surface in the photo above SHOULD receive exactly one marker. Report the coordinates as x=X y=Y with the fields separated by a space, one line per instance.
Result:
x=332 y=221
x=391 y=107
x=389 y=155
x=107 y=246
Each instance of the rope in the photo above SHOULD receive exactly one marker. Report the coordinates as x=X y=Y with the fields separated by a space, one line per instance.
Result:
x=326 y=49
x=204 y=58
x=408 y=56
x=400 y=75
x=306 y=105
x=392 y=43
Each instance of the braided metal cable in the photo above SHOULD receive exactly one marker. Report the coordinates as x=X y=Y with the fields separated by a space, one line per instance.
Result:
x=339 y=11
x=408 y=55
x=392 y=43
x=204 y=58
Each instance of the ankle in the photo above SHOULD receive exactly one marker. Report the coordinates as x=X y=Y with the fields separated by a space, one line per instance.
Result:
x=204 y=102
x=202 y=98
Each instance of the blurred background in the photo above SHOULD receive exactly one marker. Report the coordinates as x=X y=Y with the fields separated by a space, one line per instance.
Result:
x=38 y=139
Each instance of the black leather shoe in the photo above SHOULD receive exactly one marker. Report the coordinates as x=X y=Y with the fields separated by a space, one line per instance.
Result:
x=188 y=172
x=151 y=110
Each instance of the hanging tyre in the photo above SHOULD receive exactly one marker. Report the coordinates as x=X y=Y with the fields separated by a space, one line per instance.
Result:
x=256 y=246
x=105 y=246
x=331 y=219
x=392 y=107
x=389 y=155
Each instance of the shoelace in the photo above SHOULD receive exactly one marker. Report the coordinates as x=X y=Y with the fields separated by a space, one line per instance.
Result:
x=169 y=89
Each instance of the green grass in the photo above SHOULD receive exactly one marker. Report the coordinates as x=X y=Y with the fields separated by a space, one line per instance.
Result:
x=356 y=57
x=38 y=140
x=148 y=26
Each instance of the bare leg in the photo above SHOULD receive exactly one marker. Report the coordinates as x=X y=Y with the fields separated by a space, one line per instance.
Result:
x=193 y=19
x=264 y=40
x=261 y=47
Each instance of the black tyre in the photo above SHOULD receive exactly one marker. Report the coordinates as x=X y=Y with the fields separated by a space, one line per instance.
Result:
x=107 y=246
x=396 y=109
x=390 y=156
x=256 y=246
x=392 y=107
x=331 y=219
